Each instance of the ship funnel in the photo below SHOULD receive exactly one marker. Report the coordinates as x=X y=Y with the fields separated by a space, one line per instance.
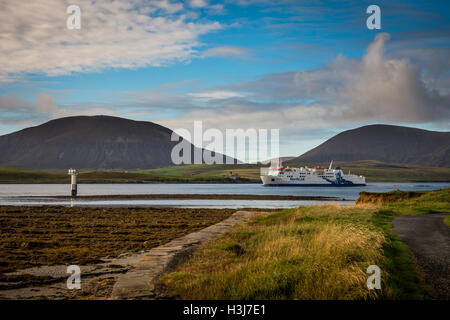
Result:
x=331 y=164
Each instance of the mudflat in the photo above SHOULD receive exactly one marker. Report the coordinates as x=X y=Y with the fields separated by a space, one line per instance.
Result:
x=55 y=235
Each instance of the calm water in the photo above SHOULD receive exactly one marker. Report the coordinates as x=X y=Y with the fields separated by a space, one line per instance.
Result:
x=20 y=194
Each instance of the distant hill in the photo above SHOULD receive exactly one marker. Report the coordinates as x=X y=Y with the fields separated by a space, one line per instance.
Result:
x=97 y=142
x=276 y=160
x=387 y=143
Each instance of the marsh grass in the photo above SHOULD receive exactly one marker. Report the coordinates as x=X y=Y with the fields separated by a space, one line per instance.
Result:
x=308 y=253
x=447 y=220
x=313 y=252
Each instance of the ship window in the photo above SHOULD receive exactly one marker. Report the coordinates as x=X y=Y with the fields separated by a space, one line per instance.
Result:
x=273 y=179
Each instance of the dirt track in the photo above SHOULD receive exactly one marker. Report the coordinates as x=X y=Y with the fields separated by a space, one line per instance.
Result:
x=429 y=241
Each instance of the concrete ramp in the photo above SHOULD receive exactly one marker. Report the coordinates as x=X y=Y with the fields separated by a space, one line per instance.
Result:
x=142 y=281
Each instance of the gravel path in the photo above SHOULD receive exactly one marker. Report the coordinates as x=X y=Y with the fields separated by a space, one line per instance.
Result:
x=429 y=241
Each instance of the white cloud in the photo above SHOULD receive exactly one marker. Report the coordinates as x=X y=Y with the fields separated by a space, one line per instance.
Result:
x=225 y=51
x=167 y=5
x=216 y=9
x=344 y=93
x=113 y=34
x=198 y=3
x=41 y=108
x=216 y=95
x=391 y=90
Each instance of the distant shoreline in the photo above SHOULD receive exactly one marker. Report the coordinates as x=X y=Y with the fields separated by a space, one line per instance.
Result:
x=374 y=171
x=203 y=182
x=196 y=197
x=147 y=182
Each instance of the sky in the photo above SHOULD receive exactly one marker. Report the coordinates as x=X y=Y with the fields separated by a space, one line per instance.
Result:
x=308 y=68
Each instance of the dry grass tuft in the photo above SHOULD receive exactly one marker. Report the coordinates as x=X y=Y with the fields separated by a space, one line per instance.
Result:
x=316 y=252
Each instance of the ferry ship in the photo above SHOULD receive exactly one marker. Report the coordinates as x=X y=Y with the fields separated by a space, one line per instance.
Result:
x=304 y=176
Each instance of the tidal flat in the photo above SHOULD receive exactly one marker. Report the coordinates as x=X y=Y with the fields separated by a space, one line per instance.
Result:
x=51 y=235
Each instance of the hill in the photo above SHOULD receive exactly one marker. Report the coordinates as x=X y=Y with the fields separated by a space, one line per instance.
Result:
x=386 y=143
x=82 y=142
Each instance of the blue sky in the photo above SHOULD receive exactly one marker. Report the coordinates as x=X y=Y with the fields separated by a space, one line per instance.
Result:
x=308 y=68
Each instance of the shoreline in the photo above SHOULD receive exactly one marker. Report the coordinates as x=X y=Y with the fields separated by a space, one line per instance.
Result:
x=39 y=243
x=320 y=252
x=198 y=182
x=106 y=242
x=188 y=197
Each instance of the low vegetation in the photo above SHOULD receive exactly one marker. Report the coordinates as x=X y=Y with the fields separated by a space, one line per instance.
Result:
x=249 y=172
x=11 y=175
x=14 y=175
x=36 y=236
x=447 y=220
x=374 y=171
x=313 y=252
x=376 y=197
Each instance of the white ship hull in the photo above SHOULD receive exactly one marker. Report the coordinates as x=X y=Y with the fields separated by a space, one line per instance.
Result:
x=276 y=181
x=309 y=177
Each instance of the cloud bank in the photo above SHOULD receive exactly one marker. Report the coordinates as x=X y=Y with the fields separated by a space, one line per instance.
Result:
x=346 y=92
x=225 y=51
x=114 y=34
x=391 y=90
x=374 y=88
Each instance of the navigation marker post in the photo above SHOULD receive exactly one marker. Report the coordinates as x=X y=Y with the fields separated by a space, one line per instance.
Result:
x=73 y=173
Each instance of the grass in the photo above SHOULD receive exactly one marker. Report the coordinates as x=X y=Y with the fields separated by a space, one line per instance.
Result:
x=249 y=172
x=12 y=175
x=447 y=220
x=387 y=197
x=403 y=279
x=314 y=252
x=374 y=171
